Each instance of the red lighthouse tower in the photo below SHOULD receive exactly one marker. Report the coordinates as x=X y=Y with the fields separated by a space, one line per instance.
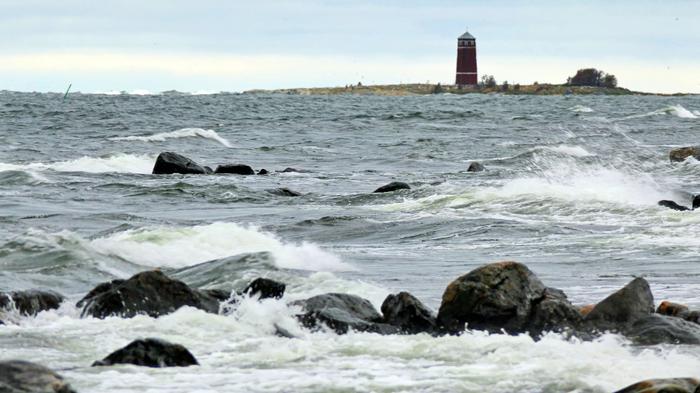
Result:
x=466 y=60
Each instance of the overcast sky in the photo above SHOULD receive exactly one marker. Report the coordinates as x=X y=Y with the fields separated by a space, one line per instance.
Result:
x=217 y=45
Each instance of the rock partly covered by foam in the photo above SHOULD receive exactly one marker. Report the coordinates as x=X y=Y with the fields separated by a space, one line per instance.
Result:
x=670 y=385
x=17 y=376
x=235 y=169
x=151 y=293
x=342 y=312
x=150 y=352
x=30 y=302
x=393 y=186
x=504 y=296
x=265 y=288
x=168 y=163
x=409 y=314
x=681 y=153
x=284 y=191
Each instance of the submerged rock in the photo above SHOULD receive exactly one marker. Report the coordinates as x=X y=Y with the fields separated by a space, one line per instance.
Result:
x=168 y=163
x=475 y=167
x=151 y=293
x=150 y=352
x=17 y=376
x=680 y=154
x=670 y=385
x=393 y=186
x=263 y=172
x=265 y=288
x=283 y=191
x=656 y=329
x=30 y=302
x=235 y=169
x=622 y=308
x=342 y=312
x=672 y=205
x=409 y=314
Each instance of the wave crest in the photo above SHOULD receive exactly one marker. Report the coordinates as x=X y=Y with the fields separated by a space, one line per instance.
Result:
x=181 y=133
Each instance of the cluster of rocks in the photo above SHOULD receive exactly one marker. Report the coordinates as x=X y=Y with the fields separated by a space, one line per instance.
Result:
x=680 y=155
x=502 y=297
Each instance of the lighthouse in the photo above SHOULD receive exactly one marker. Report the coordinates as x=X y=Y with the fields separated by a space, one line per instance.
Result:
x=466 y=60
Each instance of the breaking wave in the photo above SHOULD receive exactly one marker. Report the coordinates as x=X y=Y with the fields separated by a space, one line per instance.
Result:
x=118 y=163
x=581 y=109
x=181 y=133
x=676 y=110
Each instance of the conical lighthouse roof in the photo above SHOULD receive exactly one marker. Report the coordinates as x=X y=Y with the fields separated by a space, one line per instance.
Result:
x=466 y=36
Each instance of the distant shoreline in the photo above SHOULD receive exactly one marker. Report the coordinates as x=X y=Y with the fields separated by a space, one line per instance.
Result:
x=543 y=89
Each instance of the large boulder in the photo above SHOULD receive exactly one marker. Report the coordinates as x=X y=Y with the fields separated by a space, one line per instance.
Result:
x=150 y=352
x=554 y=313
x=168 y=163
x=670 y=385
x=342 y=312
x=681 y=153
x=475 y=167
x=151 y=293
x=393 y=186
x=661 y=329
x=409 y=314
x=622 y=308
x=494 y=297
x=30 y=302
x=265 y=288
x=17 y=376
x=235 y=169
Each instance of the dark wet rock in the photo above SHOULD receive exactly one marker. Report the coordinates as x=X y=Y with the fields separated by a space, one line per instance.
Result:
x=150 y=352
x=554 y=313
x=208 y=170
x=672 y=205
x=265 y=288
x=30 y=302
x=17 y=376
x=263 y=172
x=475 y=167
x=291 y=170
x=672 y=309
x=235 y=169
x=622 y=308
x=282 y=332
x=221 y=295
x=169 y=163
x=151 y=293
x=680 y=154
x=393 y=186
x=494 y=297
x=283 y=191
x=669 y=385
x=342 y=312
x=656 y=329
x=409 y=314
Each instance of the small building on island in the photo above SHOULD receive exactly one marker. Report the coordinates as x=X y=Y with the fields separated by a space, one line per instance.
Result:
x=466 y=60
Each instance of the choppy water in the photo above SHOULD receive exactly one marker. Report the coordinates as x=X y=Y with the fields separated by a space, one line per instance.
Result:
x=570 y=189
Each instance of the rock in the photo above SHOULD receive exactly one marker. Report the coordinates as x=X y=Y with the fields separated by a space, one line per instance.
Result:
x=553 y=313
x=151 y=293
x=265 y=288
x=475 y=167
x=291 y=170
x=680 y=154
x=585 y=309
x=409 y=314
x=656 y=329
x=623 y=307
x=30 y=302
x=342 y=312
x=150 y=352
x=221 y=295
x=169 y=163
x=208 y=170
x=672 y=205
x=263 y=172
x=393 y=186
x=17 y=376
x=235 y=169
x=284 y=192
x=670 y=385
x=672 y=309
x=494 y=297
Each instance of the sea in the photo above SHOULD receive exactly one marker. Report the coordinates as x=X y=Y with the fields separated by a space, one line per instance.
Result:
x=570 y=188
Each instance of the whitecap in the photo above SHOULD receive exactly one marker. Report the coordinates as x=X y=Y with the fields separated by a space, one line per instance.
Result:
x=581 y=109
x=117 y=163
x=574 y=151
x=181 y=133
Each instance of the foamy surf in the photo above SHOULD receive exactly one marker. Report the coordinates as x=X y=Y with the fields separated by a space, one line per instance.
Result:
x=178 y=247
x=676 y=110
x=581 y=109
x=574 y=151
x=181 y=133
x=117 y=163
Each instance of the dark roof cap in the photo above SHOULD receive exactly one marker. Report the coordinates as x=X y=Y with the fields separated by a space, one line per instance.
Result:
x=466 y=36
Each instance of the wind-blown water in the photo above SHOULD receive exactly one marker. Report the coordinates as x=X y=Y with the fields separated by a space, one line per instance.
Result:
x=570 y=188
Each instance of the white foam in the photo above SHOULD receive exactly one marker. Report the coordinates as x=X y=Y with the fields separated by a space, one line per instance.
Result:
x=181 y=133
x=185 y=246
x=119 y=163
x=681 y=112
x=581 y=109
x=574 y=151
x=141 y=92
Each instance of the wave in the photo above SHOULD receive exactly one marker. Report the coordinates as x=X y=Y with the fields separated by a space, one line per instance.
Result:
x=117 y=163
x=178 y=247
x=676 y=110
x=574 y=151
x=181 y=133
x=581 y=109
